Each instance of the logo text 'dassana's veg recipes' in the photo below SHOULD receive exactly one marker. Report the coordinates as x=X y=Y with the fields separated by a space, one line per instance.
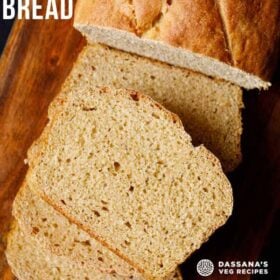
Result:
x=206 y=267
x=33 y=9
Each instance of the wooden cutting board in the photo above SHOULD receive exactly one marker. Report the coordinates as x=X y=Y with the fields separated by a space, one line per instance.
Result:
x=35 y=62
x=37 y=58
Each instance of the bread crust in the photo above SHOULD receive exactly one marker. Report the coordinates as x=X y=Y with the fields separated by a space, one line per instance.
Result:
x=253 y=30
x=136 y=17
x=243 y=34
x=107 y=13
x=193 y=25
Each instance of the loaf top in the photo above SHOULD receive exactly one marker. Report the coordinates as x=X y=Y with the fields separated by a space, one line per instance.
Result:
x=122 y=167
x=200 y=29
x=243 y=34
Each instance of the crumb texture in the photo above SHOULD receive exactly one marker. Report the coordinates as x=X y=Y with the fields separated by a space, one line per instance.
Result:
x=210 y=109
x=55 y=233
x=30 y=261
x=122 y=167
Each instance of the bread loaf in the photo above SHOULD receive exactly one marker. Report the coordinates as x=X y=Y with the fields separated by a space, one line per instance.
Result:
x=209 y=108
x=234 y=40
x=123 y=169
x=30 y=261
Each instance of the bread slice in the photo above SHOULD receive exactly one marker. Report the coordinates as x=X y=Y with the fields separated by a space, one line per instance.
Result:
x=235 y=40
x=209 y=108
x=29 y=261
x=121 y=150
x=55 y=233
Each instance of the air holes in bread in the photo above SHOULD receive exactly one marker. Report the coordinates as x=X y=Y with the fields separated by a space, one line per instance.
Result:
x=117 y=166
x=128 y=224
x=87 y=109
x=62 y=201
x=35 y=230
x=156 y=116
x=127 y=242
x=135 y=96
x=86 y=243
x=96 y=213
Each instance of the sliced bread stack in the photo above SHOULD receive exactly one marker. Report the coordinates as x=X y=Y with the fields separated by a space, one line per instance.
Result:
x=115 y=189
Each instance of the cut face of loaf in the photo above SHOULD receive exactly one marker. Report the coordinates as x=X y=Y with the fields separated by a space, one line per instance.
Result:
x=30 y=261
x=121 y=150
x=210 y=109
x=235 y=40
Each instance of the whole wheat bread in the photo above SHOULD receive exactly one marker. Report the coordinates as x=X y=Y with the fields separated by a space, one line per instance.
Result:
x=235 y=40
x=120 y=149
x=29 y=261
x=210 y=109
x=57 y=234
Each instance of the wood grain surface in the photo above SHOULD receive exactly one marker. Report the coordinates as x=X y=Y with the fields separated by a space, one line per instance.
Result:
x=36 y=60
x=33 y=66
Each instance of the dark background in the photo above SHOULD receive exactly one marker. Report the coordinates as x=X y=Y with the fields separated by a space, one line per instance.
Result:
x=5 y=27
x=254 y=203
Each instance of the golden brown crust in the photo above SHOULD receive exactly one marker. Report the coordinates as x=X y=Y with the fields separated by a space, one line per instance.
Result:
x=117 y=14
x=146 y=13
x=134 y=17
x=183 y=24
x=193 y=25
x=244 y=34
x=253 y=29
